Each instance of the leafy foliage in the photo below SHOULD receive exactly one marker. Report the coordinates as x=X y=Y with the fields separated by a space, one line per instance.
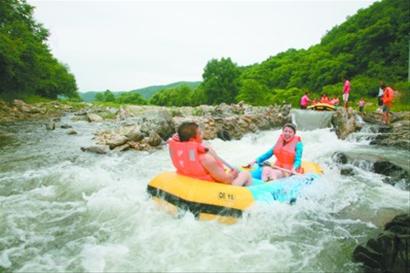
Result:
x=179 y=96
x=131 y=98
x=369 y=47
x=27 y=66
x=106 y=96
x=220 y=81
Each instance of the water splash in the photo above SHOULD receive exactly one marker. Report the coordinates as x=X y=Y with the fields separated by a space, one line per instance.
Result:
x=65 y=210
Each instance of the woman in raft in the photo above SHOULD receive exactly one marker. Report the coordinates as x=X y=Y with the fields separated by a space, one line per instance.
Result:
x=288 y=151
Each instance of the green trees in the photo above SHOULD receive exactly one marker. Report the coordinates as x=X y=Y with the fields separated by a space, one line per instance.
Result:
x=220 y=81
x=131 y=98
x=27 y=66
x=253 y=92
x=107 y=96
x=370 y=47
x=179 y=96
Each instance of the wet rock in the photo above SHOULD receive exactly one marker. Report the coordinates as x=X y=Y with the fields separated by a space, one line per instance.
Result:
x=51 y=125
x=138 y=123
x=344 y=122
x=116 y=140
x=339 y=158
x=347 y=171
x=154 y=139
x=72 y=132
x=140 y=146
x=95 y=149
x=134 y=135
x=91 y=117
x=396 y=135
x=122 y=148
x=66 y=126
x=393 y=172
x=82 y=112
x=389 y=251
x=224 y=135
x=387 y=168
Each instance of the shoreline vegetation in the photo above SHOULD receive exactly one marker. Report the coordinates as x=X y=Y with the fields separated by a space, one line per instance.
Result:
x=370 y=47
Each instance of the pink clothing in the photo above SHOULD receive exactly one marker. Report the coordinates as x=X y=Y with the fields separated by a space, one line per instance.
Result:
x=346 y=87
x=304 y=100
x=361 y=103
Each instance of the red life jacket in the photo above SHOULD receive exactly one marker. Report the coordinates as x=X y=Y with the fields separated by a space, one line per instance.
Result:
x=285 y=152
x=185 y=157
x=388 y=95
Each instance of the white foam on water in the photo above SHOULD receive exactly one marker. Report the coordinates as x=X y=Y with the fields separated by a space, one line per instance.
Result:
x=86 y=212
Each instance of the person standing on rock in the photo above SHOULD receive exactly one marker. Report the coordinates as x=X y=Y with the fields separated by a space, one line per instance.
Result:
x=304 y=101
x=192 y=158
x=380 y=98
x=346 y=92
x=361 y=105
x=388 y=95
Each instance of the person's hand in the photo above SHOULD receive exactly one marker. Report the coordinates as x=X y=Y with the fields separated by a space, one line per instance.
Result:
x=249 y=165
x=234 y=172
x=293 y=171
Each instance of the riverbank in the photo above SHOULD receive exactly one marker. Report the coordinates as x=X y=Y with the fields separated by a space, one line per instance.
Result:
x=78 y=208
x=142 y=127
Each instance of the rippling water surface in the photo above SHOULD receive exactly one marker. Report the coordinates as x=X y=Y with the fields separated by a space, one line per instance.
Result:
x=65 y=210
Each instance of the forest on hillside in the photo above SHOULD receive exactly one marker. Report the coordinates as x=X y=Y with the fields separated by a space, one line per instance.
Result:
x=27 y=66
x=369 y=47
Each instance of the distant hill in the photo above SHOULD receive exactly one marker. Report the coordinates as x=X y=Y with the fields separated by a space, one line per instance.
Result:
x=150 y=91
x=146 y=92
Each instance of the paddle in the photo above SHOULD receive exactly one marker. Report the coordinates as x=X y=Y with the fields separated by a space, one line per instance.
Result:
x=279 y=168
x=212 y=152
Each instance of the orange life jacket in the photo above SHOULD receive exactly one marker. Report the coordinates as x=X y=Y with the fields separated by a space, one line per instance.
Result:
x=185 y=157
x=285 y=152
x=388 y=95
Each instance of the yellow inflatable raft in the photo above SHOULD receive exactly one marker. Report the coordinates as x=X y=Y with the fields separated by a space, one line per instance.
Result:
x=322 y=107
x=222 y=202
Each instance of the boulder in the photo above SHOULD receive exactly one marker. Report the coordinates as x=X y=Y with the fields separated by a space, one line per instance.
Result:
x=116 y=140
x=51 y=125
x=393 y=173
x=134 y=135
x=154 y=139
x=72 y=132
x=122 y=148
x=91 y=117
x=395 y=135
x=339 y=158
x=389 y=251
x=347 y=171
x=95 y=149
x=344 y=122
x=66 y=126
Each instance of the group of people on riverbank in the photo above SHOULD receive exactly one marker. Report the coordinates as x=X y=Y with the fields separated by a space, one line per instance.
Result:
x=384 y=98
x=192 y=157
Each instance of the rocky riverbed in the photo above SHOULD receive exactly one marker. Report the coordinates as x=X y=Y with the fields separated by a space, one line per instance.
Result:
x=148 y=127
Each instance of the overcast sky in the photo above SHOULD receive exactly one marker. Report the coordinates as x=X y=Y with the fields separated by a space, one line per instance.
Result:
x=125 y=45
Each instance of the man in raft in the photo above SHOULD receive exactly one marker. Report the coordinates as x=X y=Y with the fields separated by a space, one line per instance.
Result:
x=192 y=158
x=288 y=151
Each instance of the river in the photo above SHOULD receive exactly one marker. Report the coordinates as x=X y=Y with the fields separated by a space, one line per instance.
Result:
x=65 y=210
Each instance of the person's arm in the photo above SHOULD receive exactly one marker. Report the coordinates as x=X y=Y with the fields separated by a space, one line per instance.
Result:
x=218 y=173
x=298 y=155
x=265 y=156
